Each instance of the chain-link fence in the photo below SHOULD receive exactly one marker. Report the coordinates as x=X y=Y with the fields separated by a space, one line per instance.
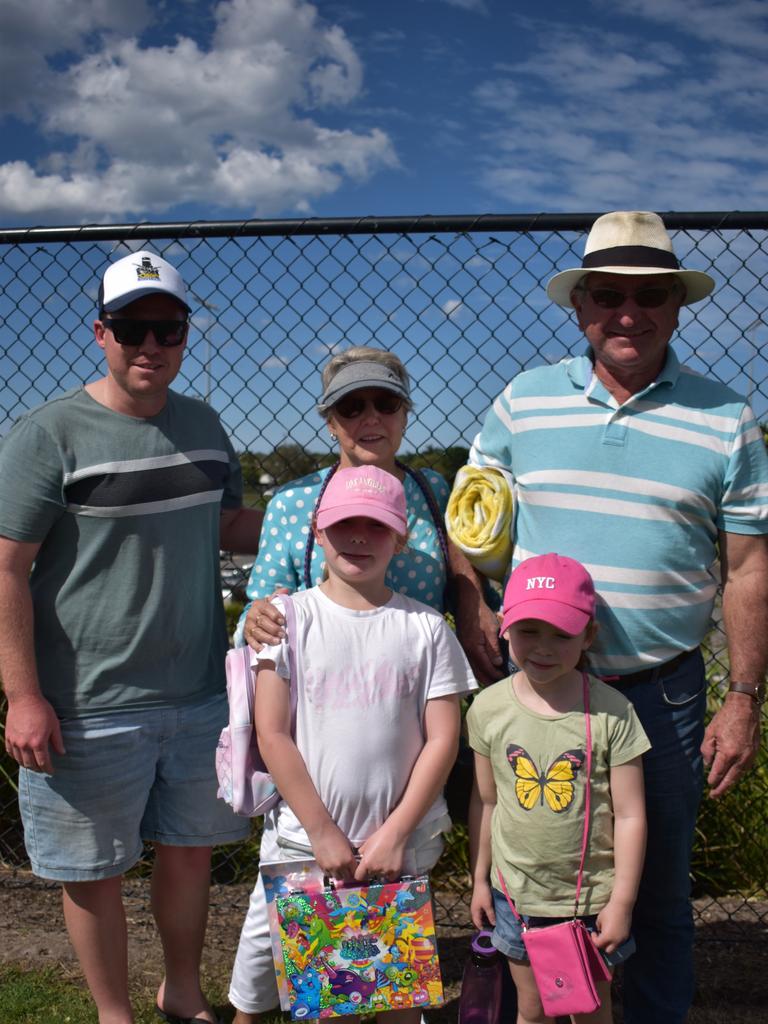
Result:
x=460 y=300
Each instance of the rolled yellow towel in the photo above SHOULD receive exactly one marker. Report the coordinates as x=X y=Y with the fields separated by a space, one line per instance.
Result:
x=479 y=518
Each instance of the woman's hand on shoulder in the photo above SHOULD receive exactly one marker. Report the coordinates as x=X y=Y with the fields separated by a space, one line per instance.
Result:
x=264 y=625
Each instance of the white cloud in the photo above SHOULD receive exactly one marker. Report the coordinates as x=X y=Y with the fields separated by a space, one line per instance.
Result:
x=232 y=124
x=388 y=40
x=469 y=5
x=499 y=94
x=33 y=30
x=452 y=308
x=739 y=23
x=593 y=119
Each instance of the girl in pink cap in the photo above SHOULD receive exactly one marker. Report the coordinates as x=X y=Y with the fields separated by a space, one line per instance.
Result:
x=529 y=803
x=378 y=680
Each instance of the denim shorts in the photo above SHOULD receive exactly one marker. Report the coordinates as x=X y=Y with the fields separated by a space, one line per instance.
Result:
x=127 y=777
x=507 y=936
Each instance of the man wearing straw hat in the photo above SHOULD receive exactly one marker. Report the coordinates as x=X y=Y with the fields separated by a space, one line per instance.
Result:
x=656 y=478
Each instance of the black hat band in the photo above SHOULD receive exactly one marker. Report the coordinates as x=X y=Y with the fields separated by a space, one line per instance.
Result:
x=631 y=256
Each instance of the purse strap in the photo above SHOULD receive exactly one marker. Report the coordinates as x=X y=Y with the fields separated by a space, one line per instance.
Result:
x=587 y=808
x=437 y=517
x=587 y=791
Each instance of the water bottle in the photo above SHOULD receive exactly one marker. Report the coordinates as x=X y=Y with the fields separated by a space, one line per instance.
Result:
x=480 y=1000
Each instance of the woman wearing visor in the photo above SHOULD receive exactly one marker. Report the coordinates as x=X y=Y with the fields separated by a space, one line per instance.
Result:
x=365 y=403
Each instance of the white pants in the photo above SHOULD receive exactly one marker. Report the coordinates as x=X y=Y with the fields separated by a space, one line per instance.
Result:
x=253 y=988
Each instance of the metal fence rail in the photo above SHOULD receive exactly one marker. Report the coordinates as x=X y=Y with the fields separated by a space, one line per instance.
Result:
x=461 y=300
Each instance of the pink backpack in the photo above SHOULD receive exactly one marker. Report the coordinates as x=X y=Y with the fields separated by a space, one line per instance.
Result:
x=244 y=782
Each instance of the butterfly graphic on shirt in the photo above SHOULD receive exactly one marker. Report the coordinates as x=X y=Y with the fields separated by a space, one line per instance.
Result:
x=555 y=786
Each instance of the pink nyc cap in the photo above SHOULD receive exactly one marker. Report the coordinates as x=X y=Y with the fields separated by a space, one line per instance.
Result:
x=552 y=588
x=364 y=491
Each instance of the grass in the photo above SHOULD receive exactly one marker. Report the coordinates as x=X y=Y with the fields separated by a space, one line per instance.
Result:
x=48 y=997
x=31 y=997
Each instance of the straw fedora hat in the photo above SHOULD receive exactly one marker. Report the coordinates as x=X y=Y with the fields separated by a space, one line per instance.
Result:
x=629 y=242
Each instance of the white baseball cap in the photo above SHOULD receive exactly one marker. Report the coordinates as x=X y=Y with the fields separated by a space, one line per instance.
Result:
x=141 y=273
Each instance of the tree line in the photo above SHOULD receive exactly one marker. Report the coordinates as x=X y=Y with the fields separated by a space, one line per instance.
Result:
x=289 y=461
x=268 y=470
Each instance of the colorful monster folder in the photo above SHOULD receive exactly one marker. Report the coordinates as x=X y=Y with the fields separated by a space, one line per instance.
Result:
x=351 y=949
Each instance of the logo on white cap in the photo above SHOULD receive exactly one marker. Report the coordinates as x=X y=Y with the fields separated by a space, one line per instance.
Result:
x=141 y=273
x=147 y=271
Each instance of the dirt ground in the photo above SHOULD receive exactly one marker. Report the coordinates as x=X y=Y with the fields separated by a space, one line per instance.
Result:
x=731 y=948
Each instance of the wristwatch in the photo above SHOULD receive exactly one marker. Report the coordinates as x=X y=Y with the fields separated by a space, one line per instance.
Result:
x=754 y=690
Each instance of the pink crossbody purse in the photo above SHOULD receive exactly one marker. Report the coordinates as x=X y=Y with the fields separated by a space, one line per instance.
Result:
x=565 y=963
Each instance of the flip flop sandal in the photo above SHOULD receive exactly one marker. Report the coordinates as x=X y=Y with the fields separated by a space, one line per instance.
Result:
x=172 y=1018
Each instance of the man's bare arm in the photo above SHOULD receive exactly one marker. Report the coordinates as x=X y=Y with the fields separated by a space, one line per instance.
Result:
x=733 y=736
x=239 y=530
x=476 y=624
x=31 y=726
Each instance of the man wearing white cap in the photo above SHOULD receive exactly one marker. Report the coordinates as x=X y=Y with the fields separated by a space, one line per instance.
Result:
x=114 y=500
x=650 y=475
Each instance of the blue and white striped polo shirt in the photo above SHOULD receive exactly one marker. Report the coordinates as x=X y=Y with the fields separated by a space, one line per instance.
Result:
x=636 y=492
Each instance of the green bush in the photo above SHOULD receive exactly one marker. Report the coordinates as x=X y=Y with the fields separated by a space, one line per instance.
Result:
x=233 y=610
x=730 y=853
x=11 y=840
x=731 y=850
x=238 y=862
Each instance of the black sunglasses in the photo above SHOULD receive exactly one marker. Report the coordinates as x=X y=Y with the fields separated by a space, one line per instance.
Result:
x=351 y=406
x=645 y=298
x=168 y=333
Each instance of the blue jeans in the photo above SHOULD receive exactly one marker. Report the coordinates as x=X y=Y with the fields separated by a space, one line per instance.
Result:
x=658 y=979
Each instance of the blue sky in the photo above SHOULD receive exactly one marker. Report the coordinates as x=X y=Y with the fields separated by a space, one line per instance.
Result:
x=133 y=110
x=123 y=110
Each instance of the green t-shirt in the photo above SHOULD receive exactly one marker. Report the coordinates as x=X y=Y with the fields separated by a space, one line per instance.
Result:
x=125 y=588
x=539 y=766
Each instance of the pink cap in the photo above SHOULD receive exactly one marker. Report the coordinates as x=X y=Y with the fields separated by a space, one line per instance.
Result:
x=364 y=491
x=552 y=588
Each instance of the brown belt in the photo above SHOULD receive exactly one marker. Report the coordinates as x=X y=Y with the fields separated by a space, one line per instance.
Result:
x=661 y=671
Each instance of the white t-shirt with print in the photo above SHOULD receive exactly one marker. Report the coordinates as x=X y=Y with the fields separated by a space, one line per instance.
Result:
x=364 y=678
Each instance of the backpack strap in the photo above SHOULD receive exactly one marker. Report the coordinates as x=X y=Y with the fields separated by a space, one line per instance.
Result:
x=290 y=636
